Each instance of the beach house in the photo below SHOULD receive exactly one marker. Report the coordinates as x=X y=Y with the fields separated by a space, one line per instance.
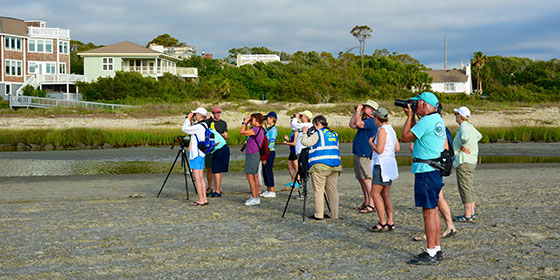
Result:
x=452 y=81
x=245 y=59
x=129 y=57
x=33 y=54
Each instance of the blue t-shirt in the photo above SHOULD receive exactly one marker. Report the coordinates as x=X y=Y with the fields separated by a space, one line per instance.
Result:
x=429 y=143
x=360 y=145
x=271 y=134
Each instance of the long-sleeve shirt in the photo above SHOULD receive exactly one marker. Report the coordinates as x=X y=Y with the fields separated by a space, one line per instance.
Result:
x=296 y=125
x=468 y=137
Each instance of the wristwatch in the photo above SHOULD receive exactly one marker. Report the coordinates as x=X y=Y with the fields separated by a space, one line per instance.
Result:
x=243 y=123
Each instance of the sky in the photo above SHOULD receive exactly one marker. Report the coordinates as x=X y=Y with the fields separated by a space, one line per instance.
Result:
x=415 y=27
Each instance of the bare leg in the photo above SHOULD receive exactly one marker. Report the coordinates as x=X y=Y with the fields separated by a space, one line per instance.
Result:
x=469 y=209
x=432 y=227
x=445 y=211
x=254 y=184
x=292 y=168
x=366 y=189
x=218 y=182
x=388 y=203
x=200 y=185
x=209 y=178
x=376 y=194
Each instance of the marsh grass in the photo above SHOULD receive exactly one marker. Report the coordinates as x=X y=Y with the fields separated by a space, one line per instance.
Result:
x=155 y=137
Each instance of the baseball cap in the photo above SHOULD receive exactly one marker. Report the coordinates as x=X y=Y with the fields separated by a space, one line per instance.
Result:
x=216 y=109
x=427 y=97
x=307 y=113
x=271 y=114
x=371 y=104
x=201 y=111
x=463 y=111
x=381 y=113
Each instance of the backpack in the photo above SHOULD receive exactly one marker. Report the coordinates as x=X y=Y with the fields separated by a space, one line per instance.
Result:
x=264 y=150
x=208 y=144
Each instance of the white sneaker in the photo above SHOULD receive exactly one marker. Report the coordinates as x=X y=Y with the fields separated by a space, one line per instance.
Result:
x=253 y=201
x=268 y=194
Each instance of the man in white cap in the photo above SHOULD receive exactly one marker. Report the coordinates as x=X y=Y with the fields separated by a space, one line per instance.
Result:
x=197 y=131
x=364 y=123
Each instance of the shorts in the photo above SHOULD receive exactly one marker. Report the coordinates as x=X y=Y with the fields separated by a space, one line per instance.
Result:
x=252 y=162
x=376 y=179
x=197 y=163
x=220 y=160
x=362 y=167
x=208 y=161
x=292 y=156
x=427 y=186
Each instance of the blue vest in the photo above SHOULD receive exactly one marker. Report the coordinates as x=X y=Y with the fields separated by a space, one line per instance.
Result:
x=326 y=150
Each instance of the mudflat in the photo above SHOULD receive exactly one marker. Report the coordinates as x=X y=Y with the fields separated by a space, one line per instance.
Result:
x=113 y=226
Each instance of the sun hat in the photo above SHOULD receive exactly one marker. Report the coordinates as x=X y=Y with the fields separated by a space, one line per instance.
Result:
x=307 y=113
x=216 y=109
x=371 y=104
x=463 y=111
x=271 y=114
x=381 y=113
x=427 y=97
x=201 y=111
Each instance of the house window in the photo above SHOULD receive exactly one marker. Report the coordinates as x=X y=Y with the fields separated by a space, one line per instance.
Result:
x=449 y=87
x=13 y=67
x=42 y=46
x=62 y=68
x=63 y=47
x=13 y=43
x=108 y=63
x=31 y=67
x=51 y=68
x=48 y=46
x=31 y=45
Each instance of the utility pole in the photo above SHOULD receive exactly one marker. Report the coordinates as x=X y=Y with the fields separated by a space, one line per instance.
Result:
x=445 y=52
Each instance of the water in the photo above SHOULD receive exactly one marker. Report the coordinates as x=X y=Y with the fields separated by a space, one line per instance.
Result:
x=159 y=159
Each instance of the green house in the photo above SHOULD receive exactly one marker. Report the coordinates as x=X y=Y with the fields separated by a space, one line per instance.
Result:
x=129 y=57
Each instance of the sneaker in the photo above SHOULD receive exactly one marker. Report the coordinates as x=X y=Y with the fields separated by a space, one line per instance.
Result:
x=253 y=201
x=424 y=258
x=300 y=196
x=439 y=255
x=288 y=184
x=297 y=185
x=212 y=194
x=268 y=194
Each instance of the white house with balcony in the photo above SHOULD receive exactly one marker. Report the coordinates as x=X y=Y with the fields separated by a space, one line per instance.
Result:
x=452 y=81
x=245 y=59
x=33 y=54
x=129 y=57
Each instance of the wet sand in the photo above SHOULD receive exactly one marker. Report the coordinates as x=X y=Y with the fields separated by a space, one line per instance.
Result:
x=88 y=227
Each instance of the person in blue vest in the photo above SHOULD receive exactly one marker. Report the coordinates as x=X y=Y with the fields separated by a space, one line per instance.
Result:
x=429 y=137
x=324 y=165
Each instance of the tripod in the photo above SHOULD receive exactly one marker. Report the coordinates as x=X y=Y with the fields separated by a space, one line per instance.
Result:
x=183 y=142
x=302 y=175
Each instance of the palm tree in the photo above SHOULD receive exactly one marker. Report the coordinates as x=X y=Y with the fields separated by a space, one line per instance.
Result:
x=361 y=33
x=478 y=61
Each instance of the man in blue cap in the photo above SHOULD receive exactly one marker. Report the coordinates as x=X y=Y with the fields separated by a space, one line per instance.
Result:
x=428 y=135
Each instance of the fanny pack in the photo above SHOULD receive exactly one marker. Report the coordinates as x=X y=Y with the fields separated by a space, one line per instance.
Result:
x=444 y=163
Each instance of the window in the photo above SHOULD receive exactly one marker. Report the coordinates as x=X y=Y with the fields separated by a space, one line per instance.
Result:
x=449 y=87
x=13 y=67
x=42 y=46
x=31 y=67
x=48 y=46
x=13 y=43
x=31 y=45
x=50 y=68
x=62 y=47
x=108 y=63
x=62 y=68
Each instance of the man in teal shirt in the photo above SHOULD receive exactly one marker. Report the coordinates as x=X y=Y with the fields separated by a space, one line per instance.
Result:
x=429 y=138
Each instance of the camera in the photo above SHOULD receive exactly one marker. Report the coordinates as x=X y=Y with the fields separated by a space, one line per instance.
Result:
x=183 y=140
x=311 y=130
x=404 y=103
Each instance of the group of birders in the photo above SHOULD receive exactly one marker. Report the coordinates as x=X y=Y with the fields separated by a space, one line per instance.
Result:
x=374 y=150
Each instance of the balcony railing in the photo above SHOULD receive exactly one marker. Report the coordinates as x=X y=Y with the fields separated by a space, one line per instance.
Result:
x=190 y=72
x=62 y=78
x=46 y=32
x=151 y=70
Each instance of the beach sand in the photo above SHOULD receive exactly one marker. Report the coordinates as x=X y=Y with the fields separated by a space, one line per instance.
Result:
x=512 y=117
x=88 y=227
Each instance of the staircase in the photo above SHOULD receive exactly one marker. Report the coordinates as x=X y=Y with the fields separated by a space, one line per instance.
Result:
x=29 y=80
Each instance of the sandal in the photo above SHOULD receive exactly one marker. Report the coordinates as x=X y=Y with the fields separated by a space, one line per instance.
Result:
x=462 y=219
x=361 y=207
x=390 y=227
x=198 y=204
x=374 y=228
x=419 y=237
x=367 y=209
x=448 y=232
x=474 y=216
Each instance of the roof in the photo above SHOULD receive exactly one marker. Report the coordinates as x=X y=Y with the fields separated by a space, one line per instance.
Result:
x=125 y=48
x=448 y=76
x=13 y=26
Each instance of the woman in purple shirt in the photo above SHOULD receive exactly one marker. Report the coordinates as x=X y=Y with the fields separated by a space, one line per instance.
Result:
x=252 y=156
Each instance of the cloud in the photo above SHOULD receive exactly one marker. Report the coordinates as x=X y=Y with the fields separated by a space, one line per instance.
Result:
x=498 y=27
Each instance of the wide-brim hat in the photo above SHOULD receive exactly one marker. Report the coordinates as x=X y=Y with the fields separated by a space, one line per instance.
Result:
x=371 y=104
x=307 y=113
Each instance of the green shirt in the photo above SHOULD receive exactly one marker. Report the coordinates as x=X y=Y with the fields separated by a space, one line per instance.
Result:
x=468 y=137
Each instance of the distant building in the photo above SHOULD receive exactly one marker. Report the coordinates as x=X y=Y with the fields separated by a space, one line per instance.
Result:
x=180 y=52
x=244 y=59
x=452 y=81
x=33 y=54
x=129 y=57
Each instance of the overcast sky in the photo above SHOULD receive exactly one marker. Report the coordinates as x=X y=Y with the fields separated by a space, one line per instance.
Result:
x=495 y=27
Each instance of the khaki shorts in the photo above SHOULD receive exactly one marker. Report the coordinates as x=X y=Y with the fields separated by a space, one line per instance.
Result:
x=362 y=167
